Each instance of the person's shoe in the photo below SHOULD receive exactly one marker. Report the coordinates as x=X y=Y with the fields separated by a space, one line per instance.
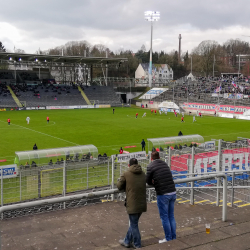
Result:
x=124 y=244
x=133 y=245
x=162 y=241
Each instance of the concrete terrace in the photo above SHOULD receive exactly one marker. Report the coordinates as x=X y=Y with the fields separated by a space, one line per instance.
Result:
x=100 y=227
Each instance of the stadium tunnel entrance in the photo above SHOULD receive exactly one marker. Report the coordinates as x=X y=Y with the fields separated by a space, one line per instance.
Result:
x=124 y=98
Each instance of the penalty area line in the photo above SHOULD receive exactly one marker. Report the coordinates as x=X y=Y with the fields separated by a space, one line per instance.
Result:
x=43 y=133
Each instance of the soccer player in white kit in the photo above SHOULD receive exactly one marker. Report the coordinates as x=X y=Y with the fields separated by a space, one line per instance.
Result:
x=144 y=114
x=28 y=120
x=194 y=119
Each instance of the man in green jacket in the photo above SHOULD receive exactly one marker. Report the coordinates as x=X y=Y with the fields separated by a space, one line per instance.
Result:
x=133 y=182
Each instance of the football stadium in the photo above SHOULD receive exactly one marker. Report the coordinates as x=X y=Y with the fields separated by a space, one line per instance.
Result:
x=66 y=141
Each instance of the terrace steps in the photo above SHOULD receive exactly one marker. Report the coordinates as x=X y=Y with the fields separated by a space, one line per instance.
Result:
x=14 y=97
x=84 y=96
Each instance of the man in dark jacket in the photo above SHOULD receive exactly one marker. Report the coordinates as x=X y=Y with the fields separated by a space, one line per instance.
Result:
x=160 y=176
x=133 y=182
x=35 y=147
x=143 y=144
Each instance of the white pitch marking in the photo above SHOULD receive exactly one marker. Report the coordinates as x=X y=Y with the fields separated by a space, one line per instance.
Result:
x=42 y=133
x=22 y=128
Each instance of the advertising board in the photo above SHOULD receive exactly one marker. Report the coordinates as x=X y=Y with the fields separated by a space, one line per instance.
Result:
x=127 y=157
x=8 y=171
x=215 y=107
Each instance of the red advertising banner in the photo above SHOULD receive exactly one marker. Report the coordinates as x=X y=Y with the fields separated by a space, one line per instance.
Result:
x=215 y=107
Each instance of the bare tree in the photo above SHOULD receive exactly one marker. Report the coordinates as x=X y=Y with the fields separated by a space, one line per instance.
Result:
x=234 y=47
x=204 y=56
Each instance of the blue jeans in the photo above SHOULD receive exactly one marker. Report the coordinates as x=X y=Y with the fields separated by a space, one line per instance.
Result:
x=133 y=234
x=166 y=210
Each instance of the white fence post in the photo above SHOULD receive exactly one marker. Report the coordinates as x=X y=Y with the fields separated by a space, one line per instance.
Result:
x=87 y=175
x=64 y=182
x=232 y=198
x=218 y=179
x=1 y=192
x=20 y=183
x=169 y=157
x=108 y=171
x=113 y=176
x=192 y=182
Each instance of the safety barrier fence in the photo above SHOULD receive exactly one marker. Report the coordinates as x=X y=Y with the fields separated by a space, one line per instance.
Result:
x=77 y=177
x=234 y=162
x=112 y=192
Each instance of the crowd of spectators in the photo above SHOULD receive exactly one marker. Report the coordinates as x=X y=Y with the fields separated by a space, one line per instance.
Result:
x=206 y=88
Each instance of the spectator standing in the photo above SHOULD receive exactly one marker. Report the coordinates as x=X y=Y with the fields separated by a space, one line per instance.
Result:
x=133 y=182
x=121 y=151
x=143 y=144
x=160 y=176
x=180 y=134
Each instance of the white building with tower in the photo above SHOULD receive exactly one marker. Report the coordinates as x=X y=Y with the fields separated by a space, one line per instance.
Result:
x=161 y=73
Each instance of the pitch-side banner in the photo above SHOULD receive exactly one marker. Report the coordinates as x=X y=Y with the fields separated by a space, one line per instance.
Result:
x=8 y=171
x=209 y=161
x=215 y=107
x=127 y=157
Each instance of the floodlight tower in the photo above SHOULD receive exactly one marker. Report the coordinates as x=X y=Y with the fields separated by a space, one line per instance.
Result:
x=151 y=16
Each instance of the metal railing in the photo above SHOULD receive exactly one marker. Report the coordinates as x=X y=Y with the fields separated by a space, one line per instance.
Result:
x=92 y=195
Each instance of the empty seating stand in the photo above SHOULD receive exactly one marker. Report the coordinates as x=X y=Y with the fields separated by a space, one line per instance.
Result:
x=52 y=95
x=6 y=77
x=6 y=99
x=101 y=95
x=27 y=77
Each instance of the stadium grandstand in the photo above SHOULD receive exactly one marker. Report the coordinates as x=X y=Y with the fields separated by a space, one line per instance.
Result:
x=222 y=90
x=33 y=80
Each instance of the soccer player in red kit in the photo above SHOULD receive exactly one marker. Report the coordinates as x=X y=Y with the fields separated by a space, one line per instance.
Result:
x=136 y=115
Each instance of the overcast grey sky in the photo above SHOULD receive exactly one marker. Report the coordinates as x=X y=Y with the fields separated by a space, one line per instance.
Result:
x=34 y=24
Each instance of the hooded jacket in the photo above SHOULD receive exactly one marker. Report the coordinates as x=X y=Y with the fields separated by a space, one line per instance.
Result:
x=133 y=182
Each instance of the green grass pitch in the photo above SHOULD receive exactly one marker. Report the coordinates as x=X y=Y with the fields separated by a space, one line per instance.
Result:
x=107 y=131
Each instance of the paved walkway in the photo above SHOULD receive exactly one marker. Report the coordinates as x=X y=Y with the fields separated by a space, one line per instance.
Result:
x=100 y=227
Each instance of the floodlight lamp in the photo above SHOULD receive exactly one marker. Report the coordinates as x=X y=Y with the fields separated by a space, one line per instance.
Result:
x=36 y=60
x=152 y=15
x=20 y=59
x=10 y=58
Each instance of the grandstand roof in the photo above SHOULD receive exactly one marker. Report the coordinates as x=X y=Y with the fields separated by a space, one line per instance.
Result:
x=58 y=58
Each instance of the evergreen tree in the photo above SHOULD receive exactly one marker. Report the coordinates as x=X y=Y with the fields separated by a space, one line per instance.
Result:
x=2 y=48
